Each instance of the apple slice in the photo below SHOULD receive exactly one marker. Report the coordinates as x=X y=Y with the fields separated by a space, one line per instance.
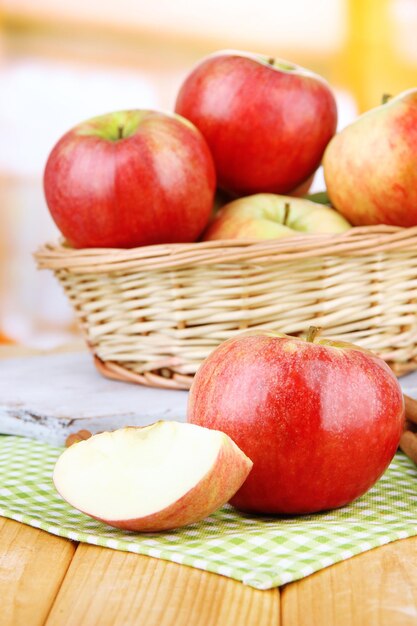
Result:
x=158 y=477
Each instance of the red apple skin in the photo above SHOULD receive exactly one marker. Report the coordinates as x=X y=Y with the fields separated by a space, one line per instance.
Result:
x=370 y=167
x=304 y=188
x=267 y=127
x=213 y=491
x=154 y=186
x=320 y=423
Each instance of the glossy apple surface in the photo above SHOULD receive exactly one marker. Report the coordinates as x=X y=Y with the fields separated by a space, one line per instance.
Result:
x=270 y=216
x=267 y=121
x=302 y=189
x=159 y=477
x=321 y=421
x=370 y=167
x=130 y=178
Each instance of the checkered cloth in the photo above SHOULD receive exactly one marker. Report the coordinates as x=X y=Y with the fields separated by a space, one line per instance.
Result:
x=263 y=552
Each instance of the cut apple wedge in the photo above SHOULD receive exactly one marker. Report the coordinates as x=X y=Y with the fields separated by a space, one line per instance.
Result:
x=158 y=477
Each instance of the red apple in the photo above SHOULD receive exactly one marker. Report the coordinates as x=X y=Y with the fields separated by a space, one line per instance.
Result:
x=162 y=476
x=370 y=167
x=321 y=420
x=304 y=188
x=266 y=121
x=130 y=178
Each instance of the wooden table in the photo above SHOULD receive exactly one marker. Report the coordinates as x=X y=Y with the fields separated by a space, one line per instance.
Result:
x=50 y=580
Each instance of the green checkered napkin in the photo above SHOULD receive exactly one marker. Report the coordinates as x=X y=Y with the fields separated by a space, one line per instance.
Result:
x=263 y=552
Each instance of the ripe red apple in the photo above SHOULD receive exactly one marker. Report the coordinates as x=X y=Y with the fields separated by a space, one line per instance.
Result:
x=270 y=216
x=370 y=167
x=303 y=189
x=321 y=420
x=266 y=121
x=162 y=476
x=130 y=178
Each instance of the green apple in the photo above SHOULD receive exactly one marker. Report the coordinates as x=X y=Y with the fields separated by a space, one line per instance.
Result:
x=370 y=167
x=270 y=216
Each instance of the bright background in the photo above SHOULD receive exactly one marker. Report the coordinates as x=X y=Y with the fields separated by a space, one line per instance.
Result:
x=62 y=62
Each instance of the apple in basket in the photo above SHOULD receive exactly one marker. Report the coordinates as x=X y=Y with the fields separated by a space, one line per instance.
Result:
x=370 y=167
x=130 y=178
x=158 y=477
x=321 y=420
x=270 y=216
x=267 y=121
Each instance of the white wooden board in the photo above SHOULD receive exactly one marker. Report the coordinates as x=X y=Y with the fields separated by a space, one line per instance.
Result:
x=409 y=384
x=49 y=397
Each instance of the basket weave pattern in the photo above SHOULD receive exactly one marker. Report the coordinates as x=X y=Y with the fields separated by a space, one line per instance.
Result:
x=151 y=315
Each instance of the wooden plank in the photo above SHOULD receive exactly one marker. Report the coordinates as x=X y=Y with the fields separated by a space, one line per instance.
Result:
x=33 y=564
x=376 y=588
x=104 y=587
x=63 y=393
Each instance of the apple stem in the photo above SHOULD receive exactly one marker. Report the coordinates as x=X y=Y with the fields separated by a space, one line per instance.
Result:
x=312 y=333
x=287 y=207
x=120 y=132
x=271 y=60
x=386 y=97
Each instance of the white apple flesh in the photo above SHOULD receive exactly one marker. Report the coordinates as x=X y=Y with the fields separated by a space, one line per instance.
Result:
x=158 y=477
x=272 y=216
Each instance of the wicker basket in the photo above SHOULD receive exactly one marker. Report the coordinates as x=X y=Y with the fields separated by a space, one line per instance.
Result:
x=152 y=314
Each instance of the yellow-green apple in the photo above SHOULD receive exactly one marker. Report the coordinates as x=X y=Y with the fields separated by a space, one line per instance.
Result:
x=158 y=477
x=270 y=216
x=321 y=420
x=370 y=167
x=267 y=121
x=130 y=178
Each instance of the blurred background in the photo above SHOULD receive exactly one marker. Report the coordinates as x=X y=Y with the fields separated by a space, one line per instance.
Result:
x=62 y=62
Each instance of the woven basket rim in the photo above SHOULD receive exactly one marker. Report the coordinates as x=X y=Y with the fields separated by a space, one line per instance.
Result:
x=357 y=241
x=151 y=314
